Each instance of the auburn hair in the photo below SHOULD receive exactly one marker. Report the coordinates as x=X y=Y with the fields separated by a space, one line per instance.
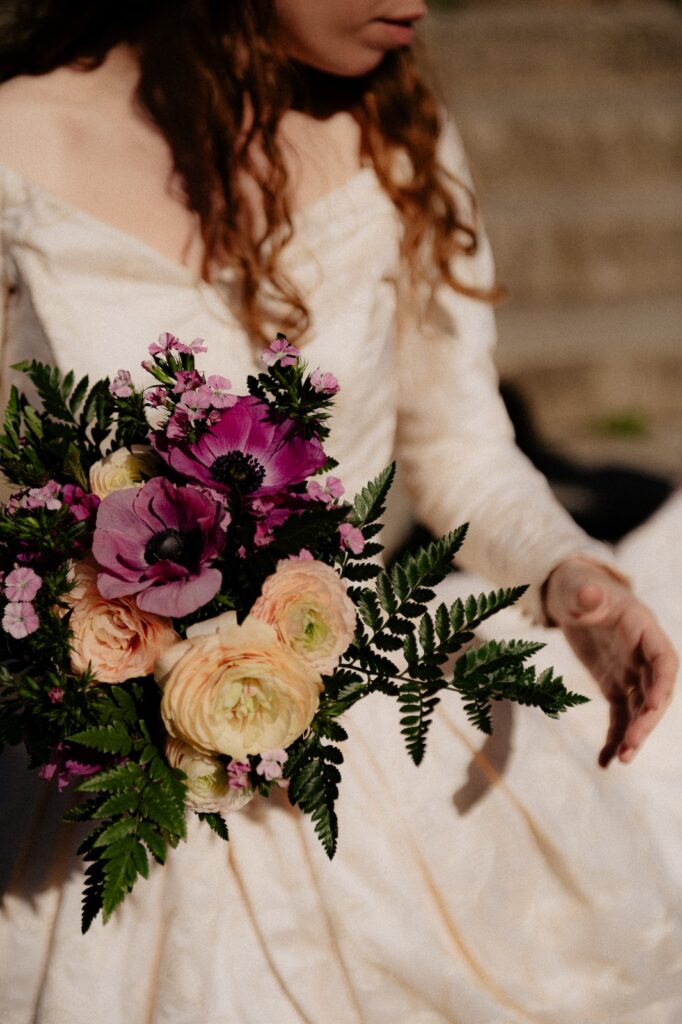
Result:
x=216 y=82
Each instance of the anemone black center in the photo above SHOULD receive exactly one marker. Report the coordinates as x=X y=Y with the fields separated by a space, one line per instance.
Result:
x=173 y=546
x=239 y=470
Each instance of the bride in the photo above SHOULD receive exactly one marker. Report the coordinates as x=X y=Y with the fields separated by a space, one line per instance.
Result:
x=225 y=170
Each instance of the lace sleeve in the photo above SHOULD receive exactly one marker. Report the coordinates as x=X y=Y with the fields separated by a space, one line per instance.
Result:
x=456 y=444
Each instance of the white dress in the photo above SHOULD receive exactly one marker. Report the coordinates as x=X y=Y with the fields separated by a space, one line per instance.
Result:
x=505 y=880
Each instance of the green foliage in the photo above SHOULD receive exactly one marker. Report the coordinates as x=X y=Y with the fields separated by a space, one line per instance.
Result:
x=370 y=503
x=63 y=439
x=395 y=615
x=496 y=671
x=289 y=393
x=139 y=800
x=216 y=822
x=312 y=770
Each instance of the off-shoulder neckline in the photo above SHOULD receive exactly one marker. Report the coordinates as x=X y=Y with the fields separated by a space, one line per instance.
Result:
x=306 y=217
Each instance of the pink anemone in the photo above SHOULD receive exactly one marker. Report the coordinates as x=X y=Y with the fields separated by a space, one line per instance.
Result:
x=244 y=451
x=158 y=541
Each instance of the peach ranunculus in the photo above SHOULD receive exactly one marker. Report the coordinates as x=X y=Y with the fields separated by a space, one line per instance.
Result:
x=113 y=637
x=126 y=467
x=208 y=783
x=234 y=689
x=307 y=604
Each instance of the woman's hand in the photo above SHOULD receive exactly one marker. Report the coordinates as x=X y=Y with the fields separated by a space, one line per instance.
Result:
x=622 y=645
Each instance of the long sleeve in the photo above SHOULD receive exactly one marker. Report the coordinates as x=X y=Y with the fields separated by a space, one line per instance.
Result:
x=456 y=445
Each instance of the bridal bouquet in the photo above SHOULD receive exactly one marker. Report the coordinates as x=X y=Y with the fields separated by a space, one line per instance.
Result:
x=188 y=605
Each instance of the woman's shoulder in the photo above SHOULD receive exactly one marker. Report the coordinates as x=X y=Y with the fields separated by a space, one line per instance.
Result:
x=37 y=120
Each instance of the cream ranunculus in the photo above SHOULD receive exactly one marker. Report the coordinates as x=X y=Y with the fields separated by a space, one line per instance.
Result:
x=114 y=637
x=126 y=467
x=208 y=784
x=234 y=689
x=306 y=602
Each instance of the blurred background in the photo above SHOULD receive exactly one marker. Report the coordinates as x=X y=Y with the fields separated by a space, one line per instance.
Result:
x=571 y=114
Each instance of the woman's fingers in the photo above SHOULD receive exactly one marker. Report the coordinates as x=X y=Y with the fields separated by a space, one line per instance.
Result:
x=658 y=654
x=618 y=724
x=648 y=698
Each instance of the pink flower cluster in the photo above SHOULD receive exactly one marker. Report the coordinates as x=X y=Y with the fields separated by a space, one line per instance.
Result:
x=200 y=399
x=20 y=587
x=47 y=496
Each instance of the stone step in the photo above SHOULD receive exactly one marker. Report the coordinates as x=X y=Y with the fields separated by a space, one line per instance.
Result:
x=579 y=137
x=603 y=382
x=587 y=243
x=499 y=47
x=535 y=338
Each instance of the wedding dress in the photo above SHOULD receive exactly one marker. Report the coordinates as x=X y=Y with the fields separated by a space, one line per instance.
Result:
x=507 y=880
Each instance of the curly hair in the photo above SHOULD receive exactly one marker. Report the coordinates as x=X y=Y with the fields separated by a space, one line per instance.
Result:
x=216 y=82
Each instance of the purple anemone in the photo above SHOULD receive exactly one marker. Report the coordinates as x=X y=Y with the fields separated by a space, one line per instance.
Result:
x=158 y=541
x=244 y=451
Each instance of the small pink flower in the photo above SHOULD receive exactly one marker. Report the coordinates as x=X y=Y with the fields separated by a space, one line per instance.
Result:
x=270 y=764
x=303 y=556
x=238 y=774
x=20 y=619
x=178 y=425
x=22 y=585
x=122 y=385
x=335 y=487
x=317 y=492
x=193 y=348
x=187 y=380
x=45 y=497
x=83 y=505
x=148 y=365
x=166 y=343
x=195 y=404
x=351 y=538
x=36 y=497
x=262 y=535
x=219 y=388
x=280 y=351
x=65 y=768
x=324 y=383
x=56 y=695
x=156 y=397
